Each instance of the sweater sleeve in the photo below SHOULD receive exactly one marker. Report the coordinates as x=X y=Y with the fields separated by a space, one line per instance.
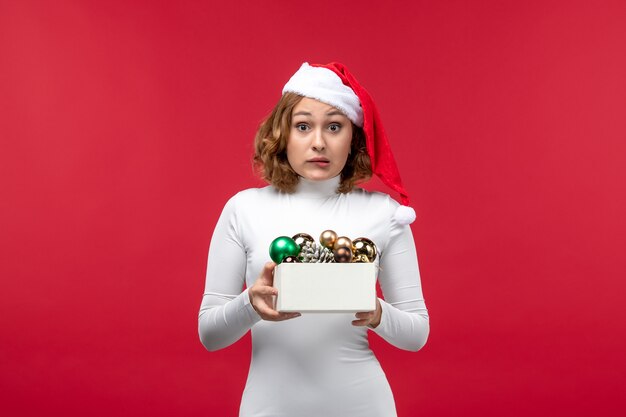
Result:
x=225 y=312
x=404 y=320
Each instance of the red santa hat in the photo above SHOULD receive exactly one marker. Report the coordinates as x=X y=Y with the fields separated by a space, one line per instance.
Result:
x=335 y=85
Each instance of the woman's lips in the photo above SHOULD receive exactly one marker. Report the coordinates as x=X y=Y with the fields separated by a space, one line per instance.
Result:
x=320 y=162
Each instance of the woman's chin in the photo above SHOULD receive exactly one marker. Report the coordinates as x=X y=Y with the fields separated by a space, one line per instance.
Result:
x=319 y=175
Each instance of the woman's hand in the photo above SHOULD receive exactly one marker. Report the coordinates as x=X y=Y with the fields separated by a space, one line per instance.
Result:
x=371 y=318
x=262 y=296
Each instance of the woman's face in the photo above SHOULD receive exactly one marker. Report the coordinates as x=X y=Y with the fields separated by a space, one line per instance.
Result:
x=319 y=140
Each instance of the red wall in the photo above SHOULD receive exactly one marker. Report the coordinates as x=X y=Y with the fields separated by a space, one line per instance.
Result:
x=125 y=127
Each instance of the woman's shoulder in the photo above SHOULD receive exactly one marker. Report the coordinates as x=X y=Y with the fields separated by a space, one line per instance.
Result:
x=383 y=205
x=251 y=195
x=374 y=197
x=399 y=214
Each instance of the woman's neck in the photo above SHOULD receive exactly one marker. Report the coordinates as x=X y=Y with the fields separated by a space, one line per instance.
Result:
x=320 y=189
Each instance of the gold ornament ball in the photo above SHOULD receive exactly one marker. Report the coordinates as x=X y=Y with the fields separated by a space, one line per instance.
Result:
x=343 y=242
x=364 y=246
x=343 y=254
x=302 y=238
x=328 y=238
x=361 y=259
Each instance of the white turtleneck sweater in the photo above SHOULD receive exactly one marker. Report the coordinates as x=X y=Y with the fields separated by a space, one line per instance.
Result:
x=318 y=364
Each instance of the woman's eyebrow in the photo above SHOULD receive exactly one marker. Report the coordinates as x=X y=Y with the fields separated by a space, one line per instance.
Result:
x=330 y=113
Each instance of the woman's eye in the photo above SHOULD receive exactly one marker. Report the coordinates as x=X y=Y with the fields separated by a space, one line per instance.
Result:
x=301 y=127
x=334 y=127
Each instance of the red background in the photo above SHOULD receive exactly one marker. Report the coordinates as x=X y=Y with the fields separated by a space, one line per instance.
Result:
x=125 y=127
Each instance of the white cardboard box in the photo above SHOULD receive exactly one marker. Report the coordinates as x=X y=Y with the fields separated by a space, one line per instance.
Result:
x=325 y=287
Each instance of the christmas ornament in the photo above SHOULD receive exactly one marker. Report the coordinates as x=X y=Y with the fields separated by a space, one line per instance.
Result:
x=343 y=242
x=364 y=250
x=328 y=238
x=303 y=248
x=360 y=259
x=302 y=238
x=343 y=249
x=283 y=246
x=291 y=260
x=313 y=253
x=343 y=255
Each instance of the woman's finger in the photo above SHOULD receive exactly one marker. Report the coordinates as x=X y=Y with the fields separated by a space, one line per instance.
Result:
x=267 y=275
x=287 y=316
x=266 y=290
x=266 y=312
x=270 y=314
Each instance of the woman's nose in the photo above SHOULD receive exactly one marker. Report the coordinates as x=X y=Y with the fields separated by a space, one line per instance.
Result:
x=318 y=140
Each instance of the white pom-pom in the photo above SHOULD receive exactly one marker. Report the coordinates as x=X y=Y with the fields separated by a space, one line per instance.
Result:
x=404 y=215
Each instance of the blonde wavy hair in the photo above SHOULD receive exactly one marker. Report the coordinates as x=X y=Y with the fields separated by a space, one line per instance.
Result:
x=270 y=151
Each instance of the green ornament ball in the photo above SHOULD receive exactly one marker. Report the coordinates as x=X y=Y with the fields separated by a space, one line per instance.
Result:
x=283 y=246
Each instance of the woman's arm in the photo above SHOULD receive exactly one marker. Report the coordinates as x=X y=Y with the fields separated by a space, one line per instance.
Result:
x=225 y=313
x=404 y=319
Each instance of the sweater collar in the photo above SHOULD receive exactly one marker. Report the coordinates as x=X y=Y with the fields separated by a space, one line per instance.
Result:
x=317 y=189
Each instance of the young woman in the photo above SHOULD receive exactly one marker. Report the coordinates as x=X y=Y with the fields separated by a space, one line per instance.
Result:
x=323 y=137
